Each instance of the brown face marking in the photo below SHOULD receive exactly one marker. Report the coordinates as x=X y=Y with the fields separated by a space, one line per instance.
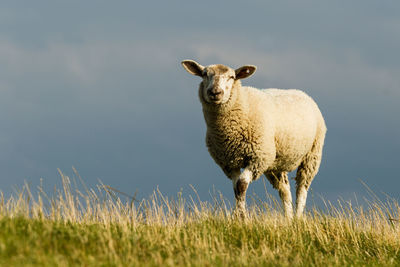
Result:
x=216 y=70
x=220 y=69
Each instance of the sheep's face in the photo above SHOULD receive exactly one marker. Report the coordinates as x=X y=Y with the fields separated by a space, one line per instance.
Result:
x=217 y=83
x=218 y=80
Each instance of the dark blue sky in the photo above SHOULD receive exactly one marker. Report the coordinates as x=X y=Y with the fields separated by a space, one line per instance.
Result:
x=99 y=86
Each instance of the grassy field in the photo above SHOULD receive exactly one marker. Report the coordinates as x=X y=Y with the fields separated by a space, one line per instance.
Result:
x=97 y=228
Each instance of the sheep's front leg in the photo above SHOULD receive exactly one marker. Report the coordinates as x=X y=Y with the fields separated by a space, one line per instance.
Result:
x=240 y=183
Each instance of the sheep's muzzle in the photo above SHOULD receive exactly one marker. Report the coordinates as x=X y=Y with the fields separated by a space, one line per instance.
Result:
x=215 y=94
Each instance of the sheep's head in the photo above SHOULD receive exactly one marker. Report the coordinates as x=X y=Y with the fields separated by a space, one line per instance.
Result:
x=218 y=80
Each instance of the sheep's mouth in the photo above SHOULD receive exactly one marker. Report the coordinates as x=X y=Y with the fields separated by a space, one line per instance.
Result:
x=215 y=98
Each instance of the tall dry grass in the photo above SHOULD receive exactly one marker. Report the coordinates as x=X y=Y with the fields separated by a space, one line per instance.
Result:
x=101 y=226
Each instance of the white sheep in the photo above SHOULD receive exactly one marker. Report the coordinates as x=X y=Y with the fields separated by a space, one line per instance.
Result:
x=269 y=132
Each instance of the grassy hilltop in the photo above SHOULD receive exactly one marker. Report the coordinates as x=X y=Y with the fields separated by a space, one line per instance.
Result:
x=96 y=228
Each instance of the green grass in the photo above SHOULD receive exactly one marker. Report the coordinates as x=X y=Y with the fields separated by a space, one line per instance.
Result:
x=96 y=228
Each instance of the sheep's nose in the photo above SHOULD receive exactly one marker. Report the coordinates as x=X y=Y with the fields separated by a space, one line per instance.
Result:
x=214 y=92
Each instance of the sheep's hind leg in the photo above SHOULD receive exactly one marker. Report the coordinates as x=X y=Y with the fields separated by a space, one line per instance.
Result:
x=306 y=173
x=301 y=197
x=240 y=183
x=280 y=181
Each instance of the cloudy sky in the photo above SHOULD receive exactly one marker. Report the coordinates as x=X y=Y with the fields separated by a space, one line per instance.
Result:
x=98 y=85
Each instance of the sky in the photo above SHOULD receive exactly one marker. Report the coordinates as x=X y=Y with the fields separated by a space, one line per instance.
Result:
x=98 y=86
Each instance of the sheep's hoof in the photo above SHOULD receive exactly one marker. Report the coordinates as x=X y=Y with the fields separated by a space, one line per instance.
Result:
x=239 y=214
x=289 y=217
x=289 y=214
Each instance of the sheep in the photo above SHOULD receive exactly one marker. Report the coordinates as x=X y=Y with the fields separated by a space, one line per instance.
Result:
x=270 y=131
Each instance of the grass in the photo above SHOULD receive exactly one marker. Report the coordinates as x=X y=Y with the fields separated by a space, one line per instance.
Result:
x=97 y=228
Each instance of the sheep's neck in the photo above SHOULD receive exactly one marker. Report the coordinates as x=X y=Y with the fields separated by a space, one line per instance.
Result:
x=224 y=121
x=219 y=118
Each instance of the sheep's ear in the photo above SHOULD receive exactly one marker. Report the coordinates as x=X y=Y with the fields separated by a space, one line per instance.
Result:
x=245 y=71
x=193 y=67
